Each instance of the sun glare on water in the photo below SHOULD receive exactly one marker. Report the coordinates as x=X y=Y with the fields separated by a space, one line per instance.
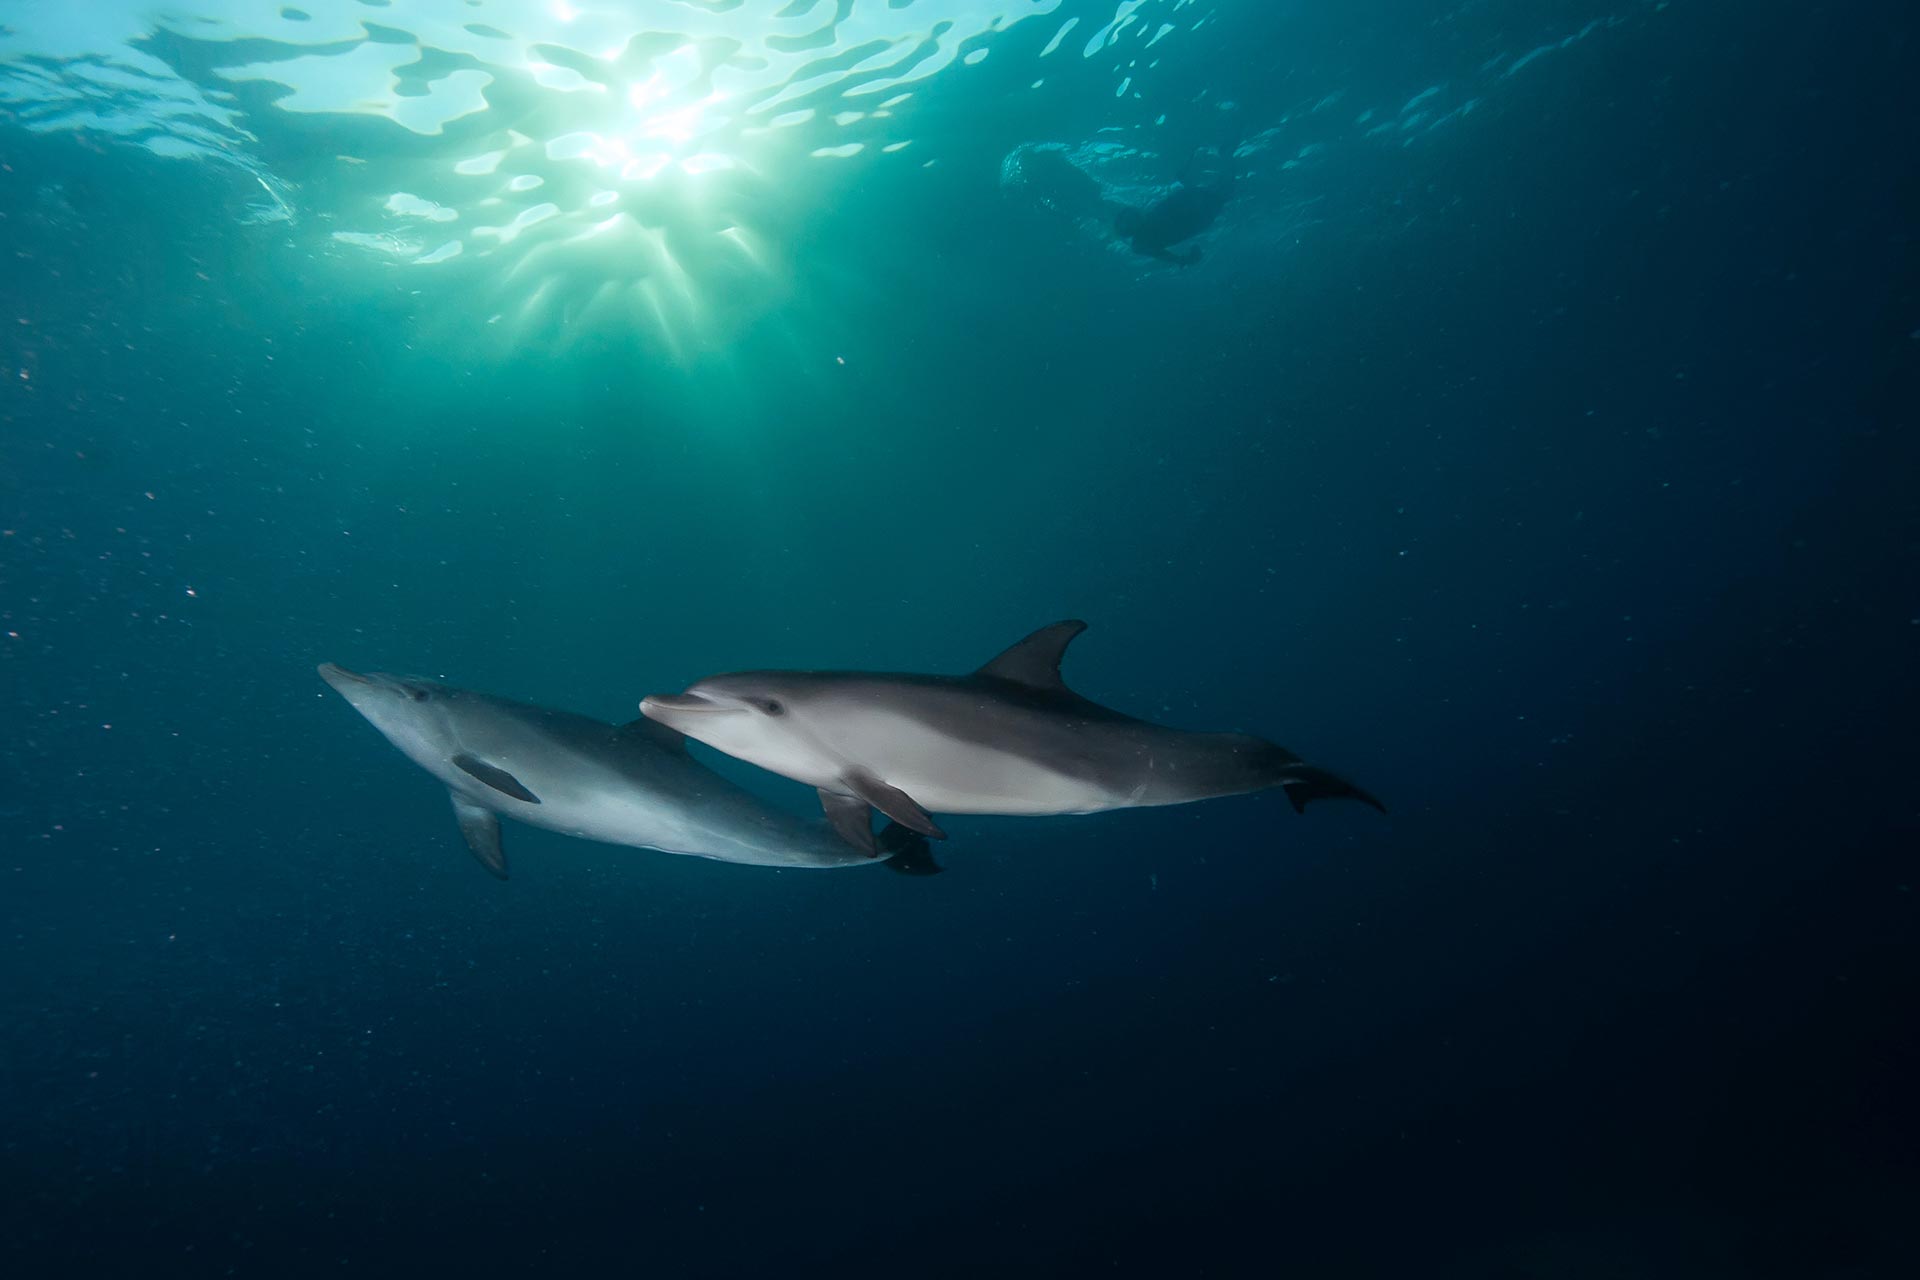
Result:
x=580 y=163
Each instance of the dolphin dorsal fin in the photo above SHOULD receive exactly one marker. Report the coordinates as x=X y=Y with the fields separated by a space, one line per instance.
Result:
x=1035 y=661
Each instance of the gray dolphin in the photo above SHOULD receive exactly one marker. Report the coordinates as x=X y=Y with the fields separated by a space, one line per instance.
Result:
x=629 y=784
x=1010 y=738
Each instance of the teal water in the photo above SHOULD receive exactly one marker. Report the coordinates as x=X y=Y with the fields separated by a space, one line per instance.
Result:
x=1531 y=441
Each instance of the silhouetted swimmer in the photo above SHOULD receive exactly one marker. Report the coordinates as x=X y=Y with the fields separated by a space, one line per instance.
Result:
x=1052 y=181
x=1189 y=208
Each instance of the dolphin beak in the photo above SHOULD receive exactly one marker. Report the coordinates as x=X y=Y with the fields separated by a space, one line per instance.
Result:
x=341 y=678
x=663 y=706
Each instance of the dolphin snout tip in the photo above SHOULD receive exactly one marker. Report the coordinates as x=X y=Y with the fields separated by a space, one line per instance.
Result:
x=338 y=676
x=658 y=706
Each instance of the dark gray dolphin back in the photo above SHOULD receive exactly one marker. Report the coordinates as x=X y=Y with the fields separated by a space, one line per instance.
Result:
x=1212 y=764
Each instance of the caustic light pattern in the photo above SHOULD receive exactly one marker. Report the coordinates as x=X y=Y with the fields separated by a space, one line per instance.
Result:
x=612 y=157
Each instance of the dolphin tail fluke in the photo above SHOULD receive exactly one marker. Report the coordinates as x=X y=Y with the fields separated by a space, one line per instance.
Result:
x=908 y=852
x=1304 y=784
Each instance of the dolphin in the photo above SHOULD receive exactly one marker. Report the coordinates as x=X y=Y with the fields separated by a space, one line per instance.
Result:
x=629 y=784
x=1010 y=738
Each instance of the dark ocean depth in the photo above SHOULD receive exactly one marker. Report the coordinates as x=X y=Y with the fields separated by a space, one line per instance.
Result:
x=1538 y=451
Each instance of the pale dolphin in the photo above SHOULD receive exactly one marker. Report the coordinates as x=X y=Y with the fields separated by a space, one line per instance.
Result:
x=629 y=784
x=1010 y=738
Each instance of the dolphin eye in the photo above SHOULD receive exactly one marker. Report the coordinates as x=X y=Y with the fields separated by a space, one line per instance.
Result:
x=418 y=694
x=773 y=707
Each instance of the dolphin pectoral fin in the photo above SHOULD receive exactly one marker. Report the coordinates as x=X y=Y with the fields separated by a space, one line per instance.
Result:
x=848 y=814
x=494 y=776
x=907 y=852
x=893 y=802
x=1035 y=661
x=481 y=827
x=1304 y=783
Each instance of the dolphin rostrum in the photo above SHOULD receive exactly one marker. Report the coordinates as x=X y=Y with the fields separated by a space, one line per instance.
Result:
x=1010 y=738
x=629 y=784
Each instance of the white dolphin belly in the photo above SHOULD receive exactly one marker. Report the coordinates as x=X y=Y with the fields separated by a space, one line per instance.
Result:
x=592 y=803
x=952 y=775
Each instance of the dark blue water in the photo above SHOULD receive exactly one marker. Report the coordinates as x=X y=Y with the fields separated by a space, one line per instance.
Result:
x=1549 y=470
